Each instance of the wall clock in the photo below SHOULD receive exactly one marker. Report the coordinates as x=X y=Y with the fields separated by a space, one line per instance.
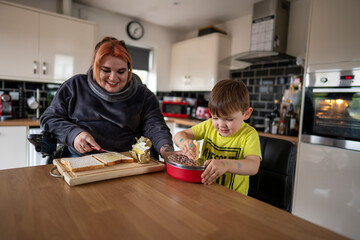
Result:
x=135 y=30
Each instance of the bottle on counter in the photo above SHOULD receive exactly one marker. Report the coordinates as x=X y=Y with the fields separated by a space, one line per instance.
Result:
x=275 y=113
x=290 y=121
x=267 y=124
x=282 y=127
x=275 y=118
x=275 y=125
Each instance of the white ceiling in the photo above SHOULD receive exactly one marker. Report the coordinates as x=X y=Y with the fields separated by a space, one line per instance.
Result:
x=183 y=15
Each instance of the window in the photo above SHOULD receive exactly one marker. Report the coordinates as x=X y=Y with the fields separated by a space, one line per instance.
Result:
x=141 y=62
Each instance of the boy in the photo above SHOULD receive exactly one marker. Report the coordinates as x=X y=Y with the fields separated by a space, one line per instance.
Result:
x=231 y=147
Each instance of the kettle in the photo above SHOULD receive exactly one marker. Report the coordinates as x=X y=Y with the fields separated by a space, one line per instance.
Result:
x=5 y=106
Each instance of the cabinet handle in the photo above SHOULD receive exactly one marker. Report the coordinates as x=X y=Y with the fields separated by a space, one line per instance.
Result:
x=44 y=68
x=187 y=79
x=35 y=67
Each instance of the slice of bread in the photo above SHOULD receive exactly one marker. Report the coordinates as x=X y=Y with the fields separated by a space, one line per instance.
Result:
x=84 y=163
x=197 y=145
x=112 y=158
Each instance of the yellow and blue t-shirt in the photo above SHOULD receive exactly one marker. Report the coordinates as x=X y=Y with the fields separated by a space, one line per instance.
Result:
x=243 y=143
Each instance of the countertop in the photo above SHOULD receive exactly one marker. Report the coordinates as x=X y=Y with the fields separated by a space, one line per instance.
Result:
x=35 y=205
x=21 y=122
x=182 y=121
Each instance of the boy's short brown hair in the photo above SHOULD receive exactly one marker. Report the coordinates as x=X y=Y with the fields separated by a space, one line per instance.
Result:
x=227 y=97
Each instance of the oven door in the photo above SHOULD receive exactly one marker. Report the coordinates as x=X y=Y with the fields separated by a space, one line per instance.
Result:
x=332 y=117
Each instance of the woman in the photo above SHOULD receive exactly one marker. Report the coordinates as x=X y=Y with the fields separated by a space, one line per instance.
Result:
x=106 y=108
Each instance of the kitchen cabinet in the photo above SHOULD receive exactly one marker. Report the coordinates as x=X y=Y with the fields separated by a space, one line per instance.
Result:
x=333 y=32
x=195 y=62
x=13 y=147
x=40 y=46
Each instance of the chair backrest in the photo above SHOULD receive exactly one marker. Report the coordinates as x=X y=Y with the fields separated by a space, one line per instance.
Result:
x=274 y=182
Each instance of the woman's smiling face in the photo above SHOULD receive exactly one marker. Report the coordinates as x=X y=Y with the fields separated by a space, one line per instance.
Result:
x=114 y=74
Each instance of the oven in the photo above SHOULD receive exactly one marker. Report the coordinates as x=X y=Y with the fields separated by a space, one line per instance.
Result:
x=331 y=114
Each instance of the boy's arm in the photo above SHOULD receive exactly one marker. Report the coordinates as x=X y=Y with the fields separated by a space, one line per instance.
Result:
x=184 y=140
x=215 y=168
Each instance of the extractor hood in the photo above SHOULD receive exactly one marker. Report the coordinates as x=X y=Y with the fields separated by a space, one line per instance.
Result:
x=268 y=35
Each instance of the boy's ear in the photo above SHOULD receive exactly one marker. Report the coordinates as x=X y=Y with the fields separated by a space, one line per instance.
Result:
x=248 y=113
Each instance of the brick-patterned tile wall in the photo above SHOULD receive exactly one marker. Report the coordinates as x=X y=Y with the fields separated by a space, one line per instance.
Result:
x=266 y=82
x=47 y=92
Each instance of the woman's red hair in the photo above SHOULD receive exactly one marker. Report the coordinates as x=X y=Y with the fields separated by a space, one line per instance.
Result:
x=110 y=46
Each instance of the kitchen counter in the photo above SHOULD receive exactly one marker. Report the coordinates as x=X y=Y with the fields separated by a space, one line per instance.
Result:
x=35 y=205
x=21 y=122
x=183 y=121
x=192 y=122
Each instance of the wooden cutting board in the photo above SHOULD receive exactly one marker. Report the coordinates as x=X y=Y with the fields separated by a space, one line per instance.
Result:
x=108 y=172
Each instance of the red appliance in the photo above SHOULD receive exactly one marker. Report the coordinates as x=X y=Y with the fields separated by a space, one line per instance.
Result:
x=175 y=109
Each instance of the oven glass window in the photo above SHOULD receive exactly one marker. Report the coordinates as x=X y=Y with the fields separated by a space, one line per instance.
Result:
x=333 y=114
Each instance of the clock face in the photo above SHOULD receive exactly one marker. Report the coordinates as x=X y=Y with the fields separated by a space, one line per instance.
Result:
x=135 y=30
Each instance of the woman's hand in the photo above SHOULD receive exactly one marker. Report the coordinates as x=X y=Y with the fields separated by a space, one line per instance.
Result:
x=166 y=150
x=84 y=142
x=214 y=169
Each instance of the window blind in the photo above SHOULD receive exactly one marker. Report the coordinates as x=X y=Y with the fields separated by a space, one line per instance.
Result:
x=140 y=57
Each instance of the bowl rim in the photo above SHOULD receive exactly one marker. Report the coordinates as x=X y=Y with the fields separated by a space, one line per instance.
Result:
x=182 y=166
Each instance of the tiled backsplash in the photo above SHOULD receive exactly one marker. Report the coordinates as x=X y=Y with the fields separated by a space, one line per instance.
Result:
x=266 y=82
x=46 y=90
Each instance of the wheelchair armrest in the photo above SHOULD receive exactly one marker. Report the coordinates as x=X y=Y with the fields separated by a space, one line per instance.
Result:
x=45 y=143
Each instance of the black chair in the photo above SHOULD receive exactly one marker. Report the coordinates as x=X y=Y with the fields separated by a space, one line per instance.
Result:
x=274 y=182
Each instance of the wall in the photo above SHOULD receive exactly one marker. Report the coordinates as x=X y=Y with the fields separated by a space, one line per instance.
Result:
x=157 y=38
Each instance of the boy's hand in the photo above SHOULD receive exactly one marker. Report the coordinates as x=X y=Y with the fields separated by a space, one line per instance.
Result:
x=188 y=148
x=214 y=169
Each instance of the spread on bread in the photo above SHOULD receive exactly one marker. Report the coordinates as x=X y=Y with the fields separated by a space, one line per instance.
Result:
x=141 y=150
x=112 y=158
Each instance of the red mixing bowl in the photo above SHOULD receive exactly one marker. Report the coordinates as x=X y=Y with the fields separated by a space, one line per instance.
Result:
x=182 y=168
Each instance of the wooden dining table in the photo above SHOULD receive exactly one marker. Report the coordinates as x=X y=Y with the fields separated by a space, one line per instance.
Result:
x=36 y=205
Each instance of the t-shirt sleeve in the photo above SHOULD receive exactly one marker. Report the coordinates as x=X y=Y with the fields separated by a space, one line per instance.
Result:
x=252 y=146
x=199 y=130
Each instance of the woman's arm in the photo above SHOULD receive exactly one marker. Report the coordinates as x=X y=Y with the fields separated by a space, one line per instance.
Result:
x=56 y=118
x=154 y=126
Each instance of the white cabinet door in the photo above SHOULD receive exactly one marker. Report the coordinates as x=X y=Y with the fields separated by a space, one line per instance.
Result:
x=13 y=147
x=66 y=47
x=40 y=46
x=19 y=30
x=195 y=62
x=334 y=31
